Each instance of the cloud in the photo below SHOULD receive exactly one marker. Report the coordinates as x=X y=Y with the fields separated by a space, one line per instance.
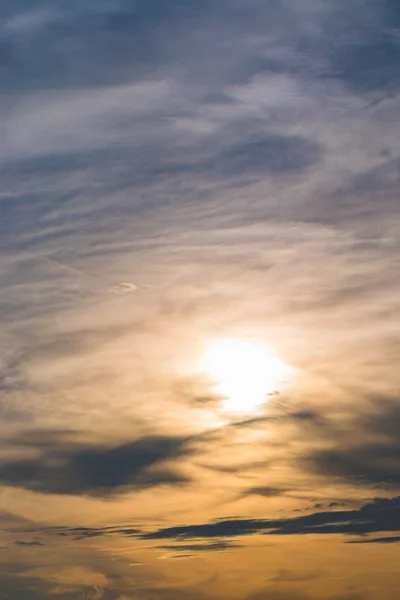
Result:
x=29 y=544
x=74 y=579
x=334 y=504
x=238 y=156
x=273 y=154
x=368 y=458
x=88 y=44
x=274 y=593
x=381 y=515
x=286 y=576
x=265 y=491
x=68 y=40
x=367 y=60
x=122 y=288
x=391 y=539
x=76 y=469
x=81 y=533
x=212 y=547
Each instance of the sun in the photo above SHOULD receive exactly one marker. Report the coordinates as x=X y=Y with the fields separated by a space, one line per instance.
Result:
x=243 y=372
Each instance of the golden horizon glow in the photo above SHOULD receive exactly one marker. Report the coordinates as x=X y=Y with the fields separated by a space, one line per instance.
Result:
x=244 y=373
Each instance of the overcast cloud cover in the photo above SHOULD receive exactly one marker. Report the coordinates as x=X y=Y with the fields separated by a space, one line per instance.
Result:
x=172 y=172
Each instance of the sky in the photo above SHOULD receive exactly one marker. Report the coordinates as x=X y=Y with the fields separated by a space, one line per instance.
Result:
x=199 y=296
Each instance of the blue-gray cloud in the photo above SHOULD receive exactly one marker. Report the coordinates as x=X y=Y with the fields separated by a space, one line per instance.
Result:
x=371 y=457
x=381 y=515
x=76 y=469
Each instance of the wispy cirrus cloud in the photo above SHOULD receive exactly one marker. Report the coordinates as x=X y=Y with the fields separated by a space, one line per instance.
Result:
x=236 y=164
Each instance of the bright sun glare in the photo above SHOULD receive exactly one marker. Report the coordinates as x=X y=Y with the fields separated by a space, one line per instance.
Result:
x=244 y=373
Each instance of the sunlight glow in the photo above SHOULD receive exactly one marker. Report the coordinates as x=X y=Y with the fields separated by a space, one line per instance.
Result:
x=244 y=373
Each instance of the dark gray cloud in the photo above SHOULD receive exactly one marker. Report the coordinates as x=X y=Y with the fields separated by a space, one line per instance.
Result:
x=381 y=515
x=391 y=539
x=76 y=469
x=362 y=450
x=370 y=463
x=81 y=533
x=334 y=504
x=371 y=457
x=212 y=547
